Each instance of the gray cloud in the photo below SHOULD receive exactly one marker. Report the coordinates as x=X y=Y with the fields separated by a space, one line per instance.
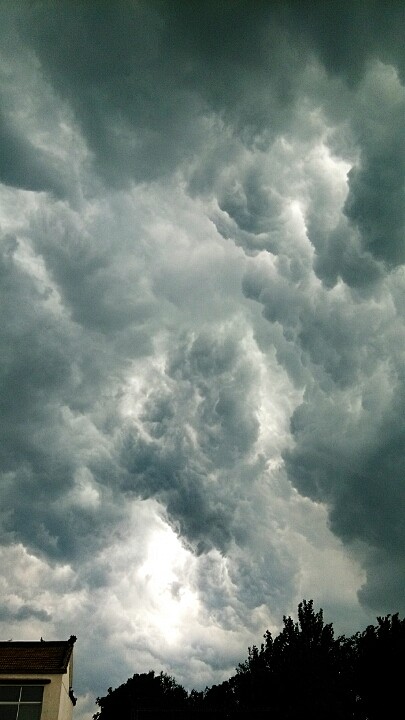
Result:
x=348 y=431
x=24 y=166
x=25 y=612
x=41 y=375
x=142 y=77
x=115 y=66
x=197 y=435
x=368 y=238
x=375 y=203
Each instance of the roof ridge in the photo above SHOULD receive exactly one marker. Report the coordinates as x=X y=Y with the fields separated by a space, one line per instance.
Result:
x=38 y=642
x=35 y=656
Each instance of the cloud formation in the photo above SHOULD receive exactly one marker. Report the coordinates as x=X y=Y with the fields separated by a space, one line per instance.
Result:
x=202 y=291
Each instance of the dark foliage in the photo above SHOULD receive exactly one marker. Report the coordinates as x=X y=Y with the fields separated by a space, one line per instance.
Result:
x=304 y=672
x=145 y=695
x=378 y=668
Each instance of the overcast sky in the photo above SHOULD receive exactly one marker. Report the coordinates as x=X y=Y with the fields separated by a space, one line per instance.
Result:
x=202 y=327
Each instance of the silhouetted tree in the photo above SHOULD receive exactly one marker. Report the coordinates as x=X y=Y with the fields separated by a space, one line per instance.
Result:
x=303 y=672
x=307 y=662
x=254 y=679
x=220 y=699
x=377 y=668
x=144 y=695
x=297 y=673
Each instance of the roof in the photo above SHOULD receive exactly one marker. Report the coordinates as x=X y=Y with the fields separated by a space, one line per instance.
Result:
x=36 y=657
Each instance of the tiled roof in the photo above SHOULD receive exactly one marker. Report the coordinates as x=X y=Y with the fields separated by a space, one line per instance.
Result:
x=35 y=657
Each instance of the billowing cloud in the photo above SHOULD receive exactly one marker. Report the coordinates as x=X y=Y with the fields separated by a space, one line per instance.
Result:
x=202 y=292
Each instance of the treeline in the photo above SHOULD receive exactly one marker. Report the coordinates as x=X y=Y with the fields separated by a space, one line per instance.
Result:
x=303 y=672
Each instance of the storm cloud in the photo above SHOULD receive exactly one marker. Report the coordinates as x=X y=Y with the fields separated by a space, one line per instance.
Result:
x=202 y=289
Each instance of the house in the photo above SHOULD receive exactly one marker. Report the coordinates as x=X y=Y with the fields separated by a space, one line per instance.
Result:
x=36 y=680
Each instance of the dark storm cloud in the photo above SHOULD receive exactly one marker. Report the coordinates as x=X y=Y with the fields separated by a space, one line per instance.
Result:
x=144 y=84
x=369 y=237
x=142 y=76
x=98 y=282
x=115 y=65
x=135 y=365
x=42 y=433
x=24 y=612
x=349 y=345
x=376 y=199
x=365 y=493
x=190 y=470
x=348 y=431
x=24 y=166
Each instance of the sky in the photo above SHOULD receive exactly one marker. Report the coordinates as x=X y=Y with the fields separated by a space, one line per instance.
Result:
x=202 y=213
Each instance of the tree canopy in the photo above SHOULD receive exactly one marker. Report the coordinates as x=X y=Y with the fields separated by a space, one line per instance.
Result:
x=304 y=671
x=144 y=693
